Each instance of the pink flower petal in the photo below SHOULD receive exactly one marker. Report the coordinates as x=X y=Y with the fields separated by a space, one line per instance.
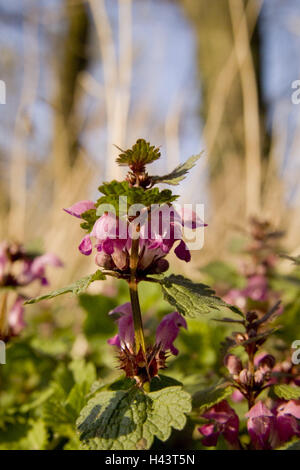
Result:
x=182 y=252
x=85 y=246
x=16 y=317
x=79 y=208
x=168 y=330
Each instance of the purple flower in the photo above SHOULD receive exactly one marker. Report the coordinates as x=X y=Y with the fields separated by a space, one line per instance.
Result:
x=16 y=321
x=168 y=330
x=233 y=364
x=85 y=246
x=269 y=429
x=165 y=227
x=257 y=288
x=125 y=337
x=260 y=424
x=224 y=421
x=166 y=333
x=286 y=423
x=110 y=232
x=35 y=269
x=79 y=208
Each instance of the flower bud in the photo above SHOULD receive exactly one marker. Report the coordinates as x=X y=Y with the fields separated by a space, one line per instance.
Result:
x=239 y=337
x=161 y=266
x=245 y=377
x=251 y=316
x=104 y=261
x=233 y=364
x=259 y=377
x=266 y=363
x=120 y=259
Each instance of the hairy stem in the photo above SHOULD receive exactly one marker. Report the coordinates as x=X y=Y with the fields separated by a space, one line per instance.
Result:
x=134 y=297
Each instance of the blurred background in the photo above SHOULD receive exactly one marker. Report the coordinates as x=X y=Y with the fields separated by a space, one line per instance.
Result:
x=187 y=75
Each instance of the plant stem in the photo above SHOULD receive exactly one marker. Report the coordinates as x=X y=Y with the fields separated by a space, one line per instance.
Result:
x=134 y=297
x=3 y=314
x=251 y=397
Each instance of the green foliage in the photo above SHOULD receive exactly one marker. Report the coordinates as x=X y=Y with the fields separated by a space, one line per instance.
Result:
x=26 y=434
x=223 y=273
x=206 y=398
x=97 y=322
x=141 y=154
x=294 y=445
x=286 y=392
x=135 y=195
x=89 y=218
x=189 y=298
x=179 y=173
x=70 y=388
x=76 y=288
x=128 y=420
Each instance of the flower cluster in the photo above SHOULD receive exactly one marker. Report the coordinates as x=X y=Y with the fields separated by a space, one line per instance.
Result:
x=269 y=423
x=224 y=421
x=131 y=243
x=139 y=366
x=262 y=249
x=19 y=268
x=269 y=429
x=158 y=231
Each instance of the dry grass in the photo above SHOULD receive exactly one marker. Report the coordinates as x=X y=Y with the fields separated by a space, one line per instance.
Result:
x=245 y=184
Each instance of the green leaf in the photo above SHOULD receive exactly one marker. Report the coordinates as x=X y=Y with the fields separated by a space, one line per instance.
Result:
x=83 y=372
x=128 y=420
x=287 y=392
x=76 y=288
x=97 y=321
x=69 y=396
x=179 y=173
x=142 y=153
x=24 y=436
x=189 y=298
x=205 y=399
x=135 y=195
x=90 y=218
x=294 y=445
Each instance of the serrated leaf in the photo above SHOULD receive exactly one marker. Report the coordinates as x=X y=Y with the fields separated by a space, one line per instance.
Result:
x=135 y=195
x=141 y=154
x=76 y=288
x=179 y=173
x=121 y=420
x=205 y=399
x=89 y=218
x=287 y=392
x=189 y=298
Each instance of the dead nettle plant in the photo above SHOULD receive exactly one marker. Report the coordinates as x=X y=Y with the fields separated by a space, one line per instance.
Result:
x=131 y=229
x=269 y=388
